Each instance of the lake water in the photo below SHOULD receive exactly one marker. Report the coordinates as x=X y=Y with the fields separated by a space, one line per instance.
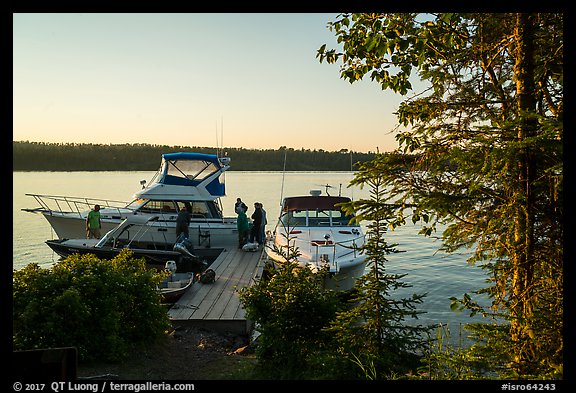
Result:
x=429 y=271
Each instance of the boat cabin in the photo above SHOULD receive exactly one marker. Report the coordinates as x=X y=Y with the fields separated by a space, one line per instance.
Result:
x=313 y=211
x=193 y=179
x=199 y=209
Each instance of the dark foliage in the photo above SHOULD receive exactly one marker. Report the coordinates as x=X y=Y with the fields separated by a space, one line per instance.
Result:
x=40 y=156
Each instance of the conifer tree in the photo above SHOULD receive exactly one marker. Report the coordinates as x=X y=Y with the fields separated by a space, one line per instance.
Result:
x=373 y=332
x=485 y=126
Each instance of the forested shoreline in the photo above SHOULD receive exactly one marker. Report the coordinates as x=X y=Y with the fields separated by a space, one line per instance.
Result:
x=40 y=156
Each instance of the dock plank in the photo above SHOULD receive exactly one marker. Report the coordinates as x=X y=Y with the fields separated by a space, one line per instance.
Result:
x=234 y=307
x=254 y=277
x=226 y=307
x=193 y=302
x=220 y=291
x=217 y=305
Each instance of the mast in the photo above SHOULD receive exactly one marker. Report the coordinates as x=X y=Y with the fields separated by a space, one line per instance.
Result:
x=283 y=175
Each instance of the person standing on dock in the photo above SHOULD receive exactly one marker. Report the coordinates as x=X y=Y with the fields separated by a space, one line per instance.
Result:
x=93 y=223
x=263 y=224
x=243 y=226
x=183 y=221
x=239 y=206
x=256 y=223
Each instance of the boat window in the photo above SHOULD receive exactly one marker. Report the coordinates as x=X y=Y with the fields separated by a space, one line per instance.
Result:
x=136 y=203
x=168 y=208
x=181 y=204
x=198 y=209
x=294 y=218
x=195 y=169
x=214 y=209
x=339 y=218
x=158 y=207
x=319 y=217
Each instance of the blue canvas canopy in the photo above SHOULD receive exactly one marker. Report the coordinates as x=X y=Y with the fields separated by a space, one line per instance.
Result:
x=213 y=158
x=192 y=169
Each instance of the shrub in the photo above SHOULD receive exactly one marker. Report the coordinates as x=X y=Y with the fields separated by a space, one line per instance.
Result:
x=100 y=307
x=290 y=310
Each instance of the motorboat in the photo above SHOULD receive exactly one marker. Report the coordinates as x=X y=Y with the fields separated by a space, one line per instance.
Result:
x=314 y=232
x=132 y=233
x=175 y=284
x=184 y=179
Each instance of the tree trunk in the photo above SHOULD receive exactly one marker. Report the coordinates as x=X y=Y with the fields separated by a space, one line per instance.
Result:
x=523 y=256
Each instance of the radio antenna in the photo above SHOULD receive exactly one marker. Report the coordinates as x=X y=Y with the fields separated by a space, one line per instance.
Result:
x=217 y=146
x=220 y=146
x=283 y=175
x=222 y=135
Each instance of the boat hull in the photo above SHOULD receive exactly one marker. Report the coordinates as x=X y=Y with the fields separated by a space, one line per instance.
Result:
x=344 y=279
x=174 y=286
x=154 y=258
x=202 y=234
x=314 y=232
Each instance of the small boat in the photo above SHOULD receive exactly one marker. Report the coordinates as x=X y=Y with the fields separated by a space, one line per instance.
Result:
x=176 y=284
x=131 y=233
x=173 y=287
x=322 y=236
x=184 y=179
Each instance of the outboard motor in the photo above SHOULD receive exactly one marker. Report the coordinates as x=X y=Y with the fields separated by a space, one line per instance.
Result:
x=184 y=246
x=170 y=266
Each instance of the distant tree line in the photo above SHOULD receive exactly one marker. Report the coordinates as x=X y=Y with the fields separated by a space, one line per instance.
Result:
x=40 y=156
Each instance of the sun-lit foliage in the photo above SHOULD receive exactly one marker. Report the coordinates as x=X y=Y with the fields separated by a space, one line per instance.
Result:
x=101 y=307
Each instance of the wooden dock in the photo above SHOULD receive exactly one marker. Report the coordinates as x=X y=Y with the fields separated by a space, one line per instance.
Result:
x=217 y=306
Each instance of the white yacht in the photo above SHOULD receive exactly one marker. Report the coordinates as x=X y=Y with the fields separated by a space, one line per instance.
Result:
x=184 y=178
x=314 y=232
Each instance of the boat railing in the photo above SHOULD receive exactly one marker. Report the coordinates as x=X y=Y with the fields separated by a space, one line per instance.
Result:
x=140 y=231
x=68 y=204
x=133 y=233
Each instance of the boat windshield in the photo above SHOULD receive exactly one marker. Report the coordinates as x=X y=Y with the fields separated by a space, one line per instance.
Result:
x=315 y=218
x=314 y=211
x=195 y=170
x=201 y=209
x=191 y=169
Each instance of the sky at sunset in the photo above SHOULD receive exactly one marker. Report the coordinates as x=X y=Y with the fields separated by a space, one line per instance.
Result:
x=194 y=79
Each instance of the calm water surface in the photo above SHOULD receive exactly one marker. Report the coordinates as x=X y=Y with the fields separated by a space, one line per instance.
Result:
x=429 y=271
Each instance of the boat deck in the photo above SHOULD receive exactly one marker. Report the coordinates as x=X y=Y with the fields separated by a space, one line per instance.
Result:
x=217 y=306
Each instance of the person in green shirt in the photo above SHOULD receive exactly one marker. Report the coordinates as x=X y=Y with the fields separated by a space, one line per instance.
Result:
x=243 y=226
x=93 y=223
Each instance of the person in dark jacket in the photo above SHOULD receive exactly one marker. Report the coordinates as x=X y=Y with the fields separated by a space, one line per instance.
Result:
x=263 y=224
x=256 y=223
x=183 y=221
x=239 y=206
